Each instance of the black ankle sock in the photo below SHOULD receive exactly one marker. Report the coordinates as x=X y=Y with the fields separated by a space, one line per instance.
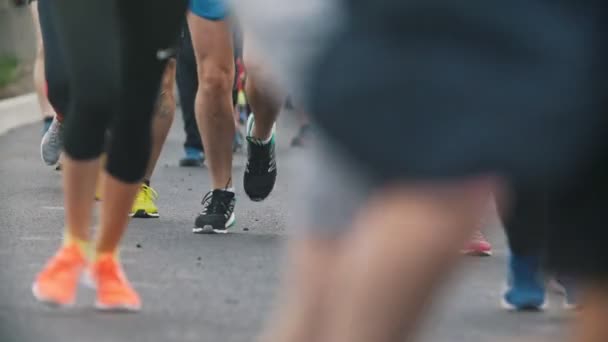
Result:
x=147 y=182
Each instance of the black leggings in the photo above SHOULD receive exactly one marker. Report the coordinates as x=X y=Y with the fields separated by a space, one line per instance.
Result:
x=114 y=56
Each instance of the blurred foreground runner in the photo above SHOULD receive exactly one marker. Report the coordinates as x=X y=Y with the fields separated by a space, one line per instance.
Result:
x=492 y=94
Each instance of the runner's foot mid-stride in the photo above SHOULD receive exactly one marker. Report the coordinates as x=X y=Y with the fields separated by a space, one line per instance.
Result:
x=261 y=170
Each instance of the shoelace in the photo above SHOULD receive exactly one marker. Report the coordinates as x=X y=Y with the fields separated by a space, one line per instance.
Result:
x=214 y=204
x=260 y=158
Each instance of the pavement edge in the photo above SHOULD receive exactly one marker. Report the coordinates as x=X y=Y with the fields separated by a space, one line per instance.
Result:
x=18 y=111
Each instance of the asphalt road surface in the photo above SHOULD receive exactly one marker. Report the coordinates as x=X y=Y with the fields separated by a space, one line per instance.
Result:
x=201 y=287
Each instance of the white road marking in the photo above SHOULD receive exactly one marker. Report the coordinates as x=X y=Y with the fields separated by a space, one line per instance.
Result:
x=39 y=238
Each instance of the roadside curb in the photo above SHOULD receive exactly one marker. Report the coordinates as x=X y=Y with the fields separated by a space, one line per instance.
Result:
x=18 y=111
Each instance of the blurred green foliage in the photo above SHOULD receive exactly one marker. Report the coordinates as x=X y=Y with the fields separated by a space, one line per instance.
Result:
x=8 y=70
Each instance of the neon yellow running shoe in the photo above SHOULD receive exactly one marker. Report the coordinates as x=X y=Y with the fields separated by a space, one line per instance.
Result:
x=144 y=206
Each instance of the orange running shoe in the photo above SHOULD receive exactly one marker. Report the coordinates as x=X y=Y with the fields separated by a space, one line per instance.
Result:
x=114 y=293
x=57 y=283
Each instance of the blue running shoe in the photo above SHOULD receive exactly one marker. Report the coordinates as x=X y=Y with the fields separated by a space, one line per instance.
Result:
x=526 y=290
x=193 y=158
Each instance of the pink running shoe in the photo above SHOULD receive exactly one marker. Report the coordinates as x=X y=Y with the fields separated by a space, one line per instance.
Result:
x=477 y=246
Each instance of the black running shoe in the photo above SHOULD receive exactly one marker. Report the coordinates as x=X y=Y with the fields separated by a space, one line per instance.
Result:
x=261 y=170
x=218 y=213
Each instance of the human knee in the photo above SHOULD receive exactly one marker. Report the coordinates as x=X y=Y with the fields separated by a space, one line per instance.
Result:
x=215 y=80
x=260 y=81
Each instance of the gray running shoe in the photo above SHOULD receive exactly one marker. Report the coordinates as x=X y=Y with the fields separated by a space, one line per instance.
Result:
x=52 y=143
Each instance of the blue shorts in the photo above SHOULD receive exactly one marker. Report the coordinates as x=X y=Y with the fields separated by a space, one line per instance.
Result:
x=209 y=9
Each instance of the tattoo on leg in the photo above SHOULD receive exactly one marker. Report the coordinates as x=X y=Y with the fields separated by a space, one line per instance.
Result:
x=164 y=105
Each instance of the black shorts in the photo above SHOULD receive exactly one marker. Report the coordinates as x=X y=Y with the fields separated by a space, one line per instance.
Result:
x=424 y=90
x=440 y=89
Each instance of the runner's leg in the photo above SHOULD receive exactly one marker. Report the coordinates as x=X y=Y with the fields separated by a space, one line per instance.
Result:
x=400 y=272
x=265 y=100
x=263 y=93
x=126 y=74
x=164 y=112
x=56 y=83
x=212 y=41
x=524 y=226
x=349 y=275
x=39 y=80
x=163 y=117
x=187 y=84
x=379 y=291
x=89 y=115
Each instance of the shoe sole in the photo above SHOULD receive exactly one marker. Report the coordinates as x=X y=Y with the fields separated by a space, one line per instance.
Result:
x=87 y=281
x=208 y=229
x=143 y=214
x=259 y=198
x=190 y=163
x=117 y=307
x=476 y=253
x=526 y=308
